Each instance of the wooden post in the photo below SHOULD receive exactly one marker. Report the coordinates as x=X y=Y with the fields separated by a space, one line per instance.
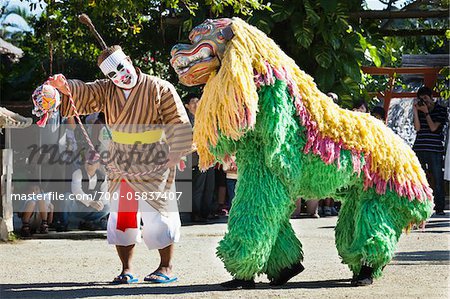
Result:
x=402 y=14
x=388 y=93
x=6 y=208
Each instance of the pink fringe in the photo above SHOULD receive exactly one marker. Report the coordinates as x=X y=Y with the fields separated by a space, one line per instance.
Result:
x=330 y=150
x=181 y=165
x=43 y=121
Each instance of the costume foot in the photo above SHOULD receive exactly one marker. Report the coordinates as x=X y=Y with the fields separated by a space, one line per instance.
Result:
x=364 y=278
x=287 y=273
x=238 y=284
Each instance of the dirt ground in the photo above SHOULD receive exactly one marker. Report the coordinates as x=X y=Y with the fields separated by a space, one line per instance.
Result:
x=80 y=265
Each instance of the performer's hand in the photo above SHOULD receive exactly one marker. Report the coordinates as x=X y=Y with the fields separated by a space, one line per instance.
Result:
x=97 y=205
x=173 y=159
x=59 y=82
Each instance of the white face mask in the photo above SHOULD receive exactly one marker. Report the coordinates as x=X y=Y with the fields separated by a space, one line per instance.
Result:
x=119 y=70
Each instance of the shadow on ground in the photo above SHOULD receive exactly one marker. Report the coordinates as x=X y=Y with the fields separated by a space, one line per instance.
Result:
x=438 y=223
x=76 y=234
x=414 y=257
x=70 y=235
x=206 y=222
x=97 y=289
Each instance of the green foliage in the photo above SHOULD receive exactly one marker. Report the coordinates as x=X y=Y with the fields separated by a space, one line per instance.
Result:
x=145 y=29
x=388 y=51
x=319 y=37
x=442 y=86
x=13 y=237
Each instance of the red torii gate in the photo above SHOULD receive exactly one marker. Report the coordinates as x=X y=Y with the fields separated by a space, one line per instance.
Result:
x=430 y=75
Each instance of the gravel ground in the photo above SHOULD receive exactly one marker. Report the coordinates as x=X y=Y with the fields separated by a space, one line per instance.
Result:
x=73 y=266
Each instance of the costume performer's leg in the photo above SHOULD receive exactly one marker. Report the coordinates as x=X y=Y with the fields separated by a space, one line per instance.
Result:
x=281 y=256
x=369 y=228
x=258 y=213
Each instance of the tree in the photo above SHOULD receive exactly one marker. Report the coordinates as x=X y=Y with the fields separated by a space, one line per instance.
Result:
x=320 y=38
x=318 y=35
x=13 y=30
x=146 y=30
x=390 y=49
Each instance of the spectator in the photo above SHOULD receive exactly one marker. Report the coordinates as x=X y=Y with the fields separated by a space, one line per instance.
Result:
x=221 y=190
x=202 y=182
x=312 y=208
x=90 y=119
x=361 y=106
x=231 y=176
x=101 y=135
x=326 y=207
x=298 y=209
x=447 y=154
x=429 y=120
x=36 y=213
x=379 y=113
x=88 y=203
x=70 y=137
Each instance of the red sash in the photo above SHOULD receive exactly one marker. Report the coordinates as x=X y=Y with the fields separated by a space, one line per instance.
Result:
x=128 y=207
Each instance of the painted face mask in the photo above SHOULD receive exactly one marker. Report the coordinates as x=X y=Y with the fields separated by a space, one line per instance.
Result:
x=195 y=62
x=119 y=70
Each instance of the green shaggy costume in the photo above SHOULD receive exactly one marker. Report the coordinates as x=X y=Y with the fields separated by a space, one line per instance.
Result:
x=290 y=141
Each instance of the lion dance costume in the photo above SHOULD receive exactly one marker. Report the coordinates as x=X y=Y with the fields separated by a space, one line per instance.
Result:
x=290 y=141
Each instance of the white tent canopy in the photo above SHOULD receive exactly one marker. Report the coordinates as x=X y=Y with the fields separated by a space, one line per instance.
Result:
x=12 y=51
x=9 y=119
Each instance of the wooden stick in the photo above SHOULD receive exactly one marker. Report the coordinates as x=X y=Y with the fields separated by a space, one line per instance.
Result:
x=83 y=18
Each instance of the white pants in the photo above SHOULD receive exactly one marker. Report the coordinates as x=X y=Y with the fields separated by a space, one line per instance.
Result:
x=159 y=231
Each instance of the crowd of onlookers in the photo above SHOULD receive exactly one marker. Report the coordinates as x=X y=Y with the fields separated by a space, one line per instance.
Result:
x=213 y=190
x=431 y=143
x=81 y=182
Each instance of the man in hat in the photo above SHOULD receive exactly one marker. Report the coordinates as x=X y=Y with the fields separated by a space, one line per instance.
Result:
x=150 y=133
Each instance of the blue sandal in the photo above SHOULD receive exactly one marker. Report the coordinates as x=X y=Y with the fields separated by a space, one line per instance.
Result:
x=126 y=278
x=166 y=279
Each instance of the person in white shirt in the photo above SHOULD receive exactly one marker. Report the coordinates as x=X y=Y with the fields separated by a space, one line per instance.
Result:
x=87 y=203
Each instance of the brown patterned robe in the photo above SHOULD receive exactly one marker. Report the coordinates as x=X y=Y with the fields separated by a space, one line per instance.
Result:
x=153 y=103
